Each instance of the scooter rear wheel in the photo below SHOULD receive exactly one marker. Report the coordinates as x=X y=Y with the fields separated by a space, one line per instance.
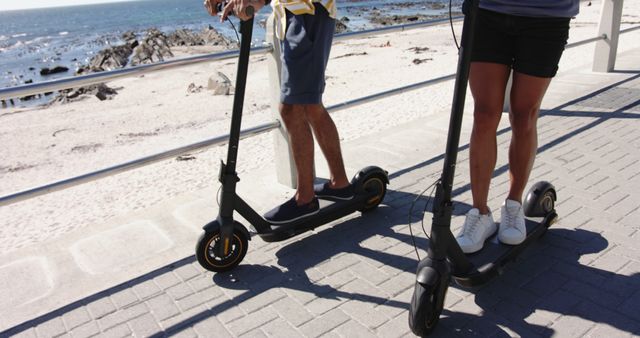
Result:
x=374 y=184
x=206 y=251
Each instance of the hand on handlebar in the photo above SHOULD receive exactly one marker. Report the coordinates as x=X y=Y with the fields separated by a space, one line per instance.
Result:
x=243 y=9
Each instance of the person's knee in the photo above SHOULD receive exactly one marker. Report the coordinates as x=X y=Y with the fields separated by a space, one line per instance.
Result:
x=523 y=118
x=486 y=118
x=291 y=113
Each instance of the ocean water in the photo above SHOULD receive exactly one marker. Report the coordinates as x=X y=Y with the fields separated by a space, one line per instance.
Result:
x=70 y=36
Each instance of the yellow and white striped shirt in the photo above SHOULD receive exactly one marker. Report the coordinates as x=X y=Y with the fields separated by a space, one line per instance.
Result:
x=298 y=7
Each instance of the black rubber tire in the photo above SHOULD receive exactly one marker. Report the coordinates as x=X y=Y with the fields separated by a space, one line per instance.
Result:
x=547 y=202
x=206 y=253
x=425 y=309
x=374 y=184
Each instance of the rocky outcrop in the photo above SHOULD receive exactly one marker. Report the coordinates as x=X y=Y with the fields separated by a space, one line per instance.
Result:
x=185 y=37
x=101 y=91
x=154 y=48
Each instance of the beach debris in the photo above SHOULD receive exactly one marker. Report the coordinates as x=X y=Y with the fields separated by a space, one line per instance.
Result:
x=85 y=148
x=49 y=71
x=55 y=133
x=418 y=50
x=186 y=157
x=386 y=44
x=419 y=61
x=194 y=89
x=220 y=84
x=351 y=54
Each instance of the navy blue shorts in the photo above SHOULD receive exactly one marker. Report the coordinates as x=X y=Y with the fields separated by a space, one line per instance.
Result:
x=305 y=53
x=529 y=45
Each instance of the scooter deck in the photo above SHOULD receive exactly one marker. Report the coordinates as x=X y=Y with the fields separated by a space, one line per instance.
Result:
x=329 y=211
x=491 y=260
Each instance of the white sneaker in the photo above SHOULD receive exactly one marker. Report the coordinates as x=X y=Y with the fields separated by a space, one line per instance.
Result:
x=477 y=228
x=512 y=227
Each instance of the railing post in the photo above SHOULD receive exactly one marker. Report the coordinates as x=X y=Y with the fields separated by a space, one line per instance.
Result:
x=604 y=58
x=285 y=167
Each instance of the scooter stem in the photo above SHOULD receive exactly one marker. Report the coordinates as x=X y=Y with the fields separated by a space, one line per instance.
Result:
x=228 y=175
x=443 y=205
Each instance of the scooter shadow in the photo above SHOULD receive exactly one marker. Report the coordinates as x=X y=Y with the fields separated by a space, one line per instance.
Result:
x=552 y=284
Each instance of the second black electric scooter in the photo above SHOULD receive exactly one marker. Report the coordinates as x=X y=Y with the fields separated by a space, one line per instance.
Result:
x=445 y=259
x=224 y=242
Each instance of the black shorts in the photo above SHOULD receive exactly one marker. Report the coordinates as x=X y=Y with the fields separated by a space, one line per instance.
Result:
x=529 y=45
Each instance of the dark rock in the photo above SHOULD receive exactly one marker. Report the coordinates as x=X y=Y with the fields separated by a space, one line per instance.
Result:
x=101 y=91
x=32 y=68
x=49 y=71
x=185 y=37
x=212 y=37
x=28 y=81
x=152 y=49
x=341 y=26
x=130 y=39
x=108 y=59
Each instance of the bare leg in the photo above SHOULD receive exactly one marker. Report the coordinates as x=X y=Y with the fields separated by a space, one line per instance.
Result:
x=301 y=140
x=526 y=96
x=487 y=82
x=326 y=134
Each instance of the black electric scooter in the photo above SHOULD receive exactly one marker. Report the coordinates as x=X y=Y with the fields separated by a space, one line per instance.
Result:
x=445 y=258
x=224 y=242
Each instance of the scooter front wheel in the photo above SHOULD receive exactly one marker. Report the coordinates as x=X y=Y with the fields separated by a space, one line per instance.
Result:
x=207 y=248
x=425 y=309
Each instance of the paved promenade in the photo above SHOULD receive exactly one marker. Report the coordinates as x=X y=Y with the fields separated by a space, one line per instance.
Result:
x=355 y=278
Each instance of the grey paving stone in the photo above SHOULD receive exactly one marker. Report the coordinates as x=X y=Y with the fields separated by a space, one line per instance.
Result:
x=324 y=323
x=118 y=331
x=124 y=298
x=86 y=330
x=144 y=326
x=188 y=272
x=280 y=328
x=162 y=307
x=51 y=328
x=295 y=313
x=353 y=329
x=167 y=280
x=76 y=317
x=187 y=332
x=179 y=291
x=122 y=316
x=28 y=333
x=569 y=326
x=253 y=321
x=146 y=289
x=211 y=327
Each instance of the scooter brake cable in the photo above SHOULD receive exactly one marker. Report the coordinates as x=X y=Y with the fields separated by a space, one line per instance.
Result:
x=429 y=200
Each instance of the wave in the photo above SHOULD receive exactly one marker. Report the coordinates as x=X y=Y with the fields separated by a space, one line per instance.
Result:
x=19 y=35
x=63 y=33
x=3 y=37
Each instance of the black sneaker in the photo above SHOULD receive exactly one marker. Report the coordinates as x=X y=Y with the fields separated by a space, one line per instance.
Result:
x=323 y=190
x=290 y=211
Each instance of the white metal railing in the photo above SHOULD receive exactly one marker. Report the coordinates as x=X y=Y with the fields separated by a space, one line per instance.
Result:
x=104 y=76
